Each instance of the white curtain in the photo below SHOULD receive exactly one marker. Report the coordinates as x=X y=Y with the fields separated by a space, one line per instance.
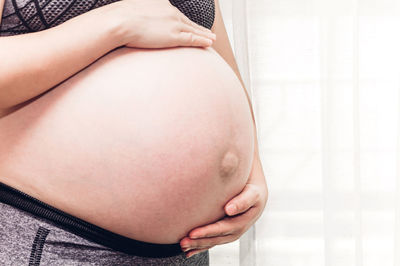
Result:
x=324 y=79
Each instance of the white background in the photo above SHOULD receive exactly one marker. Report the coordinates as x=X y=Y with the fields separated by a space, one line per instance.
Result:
x=324 y=79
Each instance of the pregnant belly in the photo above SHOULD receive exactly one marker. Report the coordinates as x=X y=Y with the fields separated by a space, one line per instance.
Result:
x=145 y=143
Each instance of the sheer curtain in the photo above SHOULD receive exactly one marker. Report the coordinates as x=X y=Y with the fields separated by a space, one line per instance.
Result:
x=324 y=79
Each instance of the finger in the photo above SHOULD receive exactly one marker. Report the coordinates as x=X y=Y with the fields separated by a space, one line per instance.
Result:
x=224 y=227
x=221 y=228
x=203 y=243
x=194 y=252
x=194 y=30
x=191 y=39
x=244 y=201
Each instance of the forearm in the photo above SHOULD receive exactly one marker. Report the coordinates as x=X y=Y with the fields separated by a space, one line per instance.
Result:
x=35 y=62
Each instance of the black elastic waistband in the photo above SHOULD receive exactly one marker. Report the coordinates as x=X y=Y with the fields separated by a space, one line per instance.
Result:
x=91 y=232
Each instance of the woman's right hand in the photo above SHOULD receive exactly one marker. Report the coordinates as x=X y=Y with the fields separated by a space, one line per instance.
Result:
x=158 y=24
x=71 y=46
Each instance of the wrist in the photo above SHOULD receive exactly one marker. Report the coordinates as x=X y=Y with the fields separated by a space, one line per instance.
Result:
x=118 y=26
x=112 y=23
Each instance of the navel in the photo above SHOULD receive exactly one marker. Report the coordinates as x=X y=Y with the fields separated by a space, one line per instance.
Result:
x=229 y=164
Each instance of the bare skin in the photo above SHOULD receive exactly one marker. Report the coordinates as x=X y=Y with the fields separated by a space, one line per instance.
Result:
x=53 y=55
x=145 y=153
x=244 y=209
x=248 y=204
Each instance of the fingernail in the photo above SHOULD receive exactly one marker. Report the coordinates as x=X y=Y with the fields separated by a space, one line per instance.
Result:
x=194 y=253
x=186 y=249
x=231 y=208
x=191 y=255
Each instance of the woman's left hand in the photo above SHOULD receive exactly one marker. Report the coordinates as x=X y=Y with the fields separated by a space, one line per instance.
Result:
x=242 y=212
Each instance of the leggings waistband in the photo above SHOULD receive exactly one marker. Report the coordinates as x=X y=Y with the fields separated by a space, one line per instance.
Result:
x=91 y=232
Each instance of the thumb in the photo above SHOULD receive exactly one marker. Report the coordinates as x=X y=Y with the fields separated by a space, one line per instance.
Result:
x=244 y=201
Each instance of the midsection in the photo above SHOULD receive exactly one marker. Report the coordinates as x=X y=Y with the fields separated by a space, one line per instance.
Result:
x=145 y=143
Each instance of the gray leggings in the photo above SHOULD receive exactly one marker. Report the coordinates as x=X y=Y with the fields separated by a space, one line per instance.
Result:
x=29 y=240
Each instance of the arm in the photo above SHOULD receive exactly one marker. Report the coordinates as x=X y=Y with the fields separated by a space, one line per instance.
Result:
x=1 y=9
x=33 y=63
x=247 y=207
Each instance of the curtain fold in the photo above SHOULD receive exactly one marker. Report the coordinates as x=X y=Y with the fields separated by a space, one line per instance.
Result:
x=324 y=80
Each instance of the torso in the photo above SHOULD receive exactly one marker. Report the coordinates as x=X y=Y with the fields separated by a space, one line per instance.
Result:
x=135 y=143
x=145 y=143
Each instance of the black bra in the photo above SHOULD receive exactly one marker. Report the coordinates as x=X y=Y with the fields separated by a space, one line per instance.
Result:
x=23 y=16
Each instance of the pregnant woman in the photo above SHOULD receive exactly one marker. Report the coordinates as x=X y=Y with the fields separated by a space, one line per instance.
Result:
x=126 y=134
